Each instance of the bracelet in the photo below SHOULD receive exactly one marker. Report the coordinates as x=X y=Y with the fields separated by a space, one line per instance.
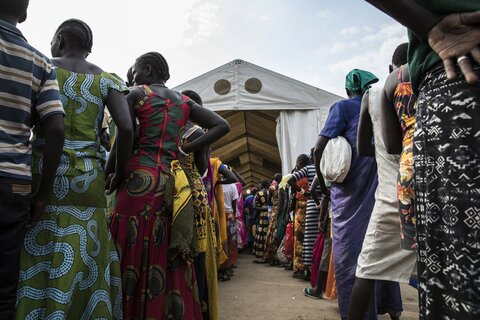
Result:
x=302 y=191
x=182 y=152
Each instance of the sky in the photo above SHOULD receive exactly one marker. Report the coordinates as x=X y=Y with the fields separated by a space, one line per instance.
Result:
x=313 y=41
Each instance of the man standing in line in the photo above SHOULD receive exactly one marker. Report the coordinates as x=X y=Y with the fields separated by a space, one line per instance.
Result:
x=29 y=97
x=230 y=194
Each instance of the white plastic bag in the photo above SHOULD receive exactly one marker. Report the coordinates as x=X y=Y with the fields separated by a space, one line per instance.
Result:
x=336 y=159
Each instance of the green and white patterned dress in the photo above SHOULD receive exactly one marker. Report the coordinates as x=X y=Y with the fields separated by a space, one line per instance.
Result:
x=69 y=264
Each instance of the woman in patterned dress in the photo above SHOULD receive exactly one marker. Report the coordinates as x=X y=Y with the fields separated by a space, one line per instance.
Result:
x=405 y=101
x=153 y=220
x=195 y=164
x=70 y=267
x=399 y=112
x=271 y=244
x=299 y=186
x=260 y=205
x=241 y=226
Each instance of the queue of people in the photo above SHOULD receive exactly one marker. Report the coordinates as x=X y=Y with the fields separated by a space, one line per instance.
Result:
x=147 y=232
x=392 y=220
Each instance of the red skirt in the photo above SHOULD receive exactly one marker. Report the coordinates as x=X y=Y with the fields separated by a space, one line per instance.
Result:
x=153 y=287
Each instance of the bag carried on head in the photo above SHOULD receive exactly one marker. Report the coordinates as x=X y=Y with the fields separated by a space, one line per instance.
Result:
x=336 y=159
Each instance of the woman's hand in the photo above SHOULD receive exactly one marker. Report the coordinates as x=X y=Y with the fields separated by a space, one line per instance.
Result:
x=454 y=37
x=112 y=182
x=325 y=191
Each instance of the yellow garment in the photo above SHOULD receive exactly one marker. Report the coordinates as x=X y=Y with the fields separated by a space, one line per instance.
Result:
x=183 y=193
x=219 y=214
x=284 y=181
x=178 y=197
x=211 y=271
x=205 y=232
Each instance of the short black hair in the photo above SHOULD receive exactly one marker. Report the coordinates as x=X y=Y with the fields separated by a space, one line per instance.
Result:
x=399 y=57
x=157 y=62
x=303 y=159
x=277 y=177
x=194 y=96
x=77 y=32
x=265 y=183
x=16 y=8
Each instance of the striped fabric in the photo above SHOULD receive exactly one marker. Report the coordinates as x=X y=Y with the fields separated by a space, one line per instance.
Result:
x=312 y=216
x=28 y=93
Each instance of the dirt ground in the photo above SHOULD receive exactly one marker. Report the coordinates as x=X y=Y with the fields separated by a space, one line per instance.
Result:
x=259 y=291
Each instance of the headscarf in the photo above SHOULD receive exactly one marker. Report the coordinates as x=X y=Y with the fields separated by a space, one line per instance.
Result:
x=359 y=80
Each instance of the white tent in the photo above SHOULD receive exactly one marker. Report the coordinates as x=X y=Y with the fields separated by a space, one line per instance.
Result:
x=250 y=97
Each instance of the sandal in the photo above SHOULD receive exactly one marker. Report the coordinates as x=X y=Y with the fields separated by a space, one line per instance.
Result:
x=310 y=292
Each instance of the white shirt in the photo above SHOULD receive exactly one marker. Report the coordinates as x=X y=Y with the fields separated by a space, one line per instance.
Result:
x=230 y=193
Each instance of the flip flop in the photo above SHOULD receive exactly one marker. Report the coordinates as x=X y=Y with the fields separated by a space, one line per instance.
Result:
x=310 y=292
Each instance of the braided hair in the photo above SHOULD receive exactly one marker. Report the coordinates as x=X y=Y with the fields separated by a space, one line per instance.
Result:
x=78 y=32
x=157 y=62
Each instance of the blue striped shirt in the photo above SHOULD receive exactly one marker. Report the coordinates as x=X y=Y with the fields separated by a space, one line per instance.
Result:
x=28 y=95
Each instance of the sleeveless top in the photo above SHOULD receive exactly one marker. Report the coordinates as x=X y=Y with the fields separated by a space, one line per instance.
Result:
x=161 y=123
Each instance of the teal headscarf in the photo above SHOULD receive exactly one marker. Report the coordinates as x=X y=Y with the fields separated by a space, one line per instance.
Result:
x=359 y=80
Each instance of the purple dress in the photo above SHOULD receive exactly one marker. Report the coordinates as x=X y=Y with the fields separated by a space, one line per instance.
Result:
x=242 y=228
x=249 y=218
x=352 y=201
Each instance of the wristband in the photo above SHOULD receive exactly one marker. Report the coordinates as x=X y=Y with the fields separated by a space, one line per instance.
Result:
x=182 y=152
x=302 y=191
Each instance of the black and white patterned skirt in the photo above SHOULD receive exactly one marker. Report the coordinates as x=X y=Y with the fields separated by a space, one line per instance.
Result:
x=447 y=190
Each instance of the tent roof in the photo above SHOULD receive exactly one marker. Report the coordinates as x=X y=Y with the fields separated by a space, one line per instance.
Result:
x=251 y=98
x=241 y=85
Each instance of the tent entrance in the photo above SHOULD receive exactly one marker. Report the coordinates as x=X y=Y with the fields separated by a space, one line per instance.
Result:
x=251 y=145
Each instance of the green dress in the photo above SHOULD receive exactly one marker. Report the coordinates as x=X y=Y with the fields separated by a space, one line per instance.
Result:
x=69 y=264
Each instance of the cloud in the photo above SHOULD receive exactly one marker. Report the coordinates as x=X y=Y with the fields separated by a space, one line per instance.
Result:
x=367 y=29
x=338 y=47
x=349 y=31
x=203 y=21
x=386 y=31
x=264 y=17
x=323 y=14
x=373 y=54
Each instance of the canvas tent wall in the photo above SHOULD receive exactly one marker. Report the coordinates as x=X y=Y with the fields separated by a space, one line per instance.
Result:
x=274 y=118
